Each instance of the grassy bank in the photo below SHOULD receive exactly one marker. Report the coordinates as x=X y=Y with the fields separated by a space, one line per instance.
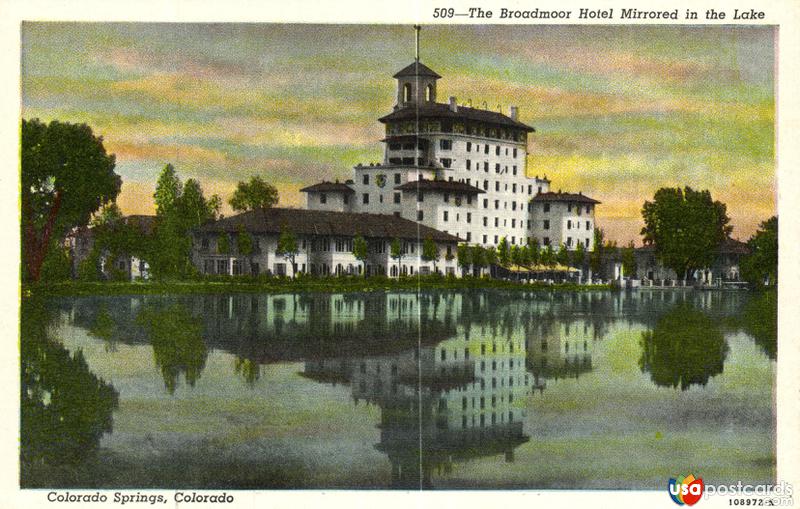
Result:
x=287 y=285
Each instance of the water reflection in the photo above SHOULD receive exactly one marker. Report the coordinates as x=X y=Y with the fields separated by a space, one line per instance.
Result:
x=458 y=400
x=450 y=375
x=760 y=320
x=178 y=346
x=64 y=407
x=684 y=348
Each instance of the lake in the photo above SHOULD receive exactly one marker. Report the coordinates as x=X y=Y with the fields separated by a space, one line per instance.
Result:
x=440 y=390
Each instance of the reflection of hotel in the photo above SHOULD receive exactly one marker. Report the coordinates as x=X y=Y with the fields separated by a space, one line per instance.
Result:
x=560 y=349
x=472 y=394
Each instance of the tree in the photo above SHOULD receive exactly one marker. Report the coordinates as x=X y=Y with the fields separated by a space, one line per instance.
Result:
x=288 y=248
x=66 y=176
x=223 y=244
x=464 y=257
x=360 y=251
x=516 y=255
x=629 y=260
x=503 y=252
x=179 y=210
x=252 y=195
x=760 y=267
x=535 y=251
x=562 y=257
x=579 y=256
x=430 y=252
x=479 y=258
x=596 y=258
x=396 y=252
x=548 y=256
x=244 y=241
x=686 y=228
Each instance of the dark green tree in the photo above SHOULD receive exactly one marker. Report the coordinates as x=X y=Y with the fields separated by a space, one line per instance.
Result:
x=629 y=260
x=430 y=252
x=760 y=267
x=503 y=252
x=464 y=257
x=596 y=256
x=479 y=258
x=686 y=228
x=361 y=251
x=396 y=252
x=66 y=176
x=685 y=348
x=288 y=248
x=179 y=210
x=563 y=256
x=252 y=195
x=535 y=251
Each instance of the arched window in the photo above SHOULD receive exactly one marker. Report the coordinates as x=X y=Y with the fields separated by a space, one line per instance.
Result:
x=429 y=93
x=407 y=92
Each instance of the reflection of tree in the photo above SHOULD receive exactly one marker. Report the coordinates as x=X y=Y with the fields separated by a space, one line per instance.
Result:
x=104 y=328
x=178 y=346
x=65 y=408
x=684 y=348
x=249 y=369
x=760 y=320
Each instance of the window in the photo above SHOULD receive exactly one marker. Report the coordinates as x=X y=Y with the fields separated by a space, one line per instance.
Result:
x=444 y=215
x=420 y=196
x=515 y=169
x=469 y=148
x=397 y=197
x=420 y=215
x=469 y=217
x=429 y=93
x=469 y=164
x=380 y=198
x=486 y=166
x=496 y=204
x=446 y=162
x=497 y=150
x=588 y=226
x=486 y=149
x=569 y=207
x=346 y=199
x=396 y=178
x=513 y=188
x=515 y=154
x=485 y=203
x=484 y=238
x=588 y=208
x=569 y=241
x=407 y=92
x=366 y=180
x=546 y=241
x=569 y=225
x=547 y=207
x=495 y=239
x=497 y=185
x=497 y=168
x=469 y=236
x=496 y=222
x=485 y=222
x=513 y=223
x=365 y=198
x=323 y=198
x=446 y=198
x=587 y=243
x=485 y=185
x=513 y=205
x=204 y=243
x=446 y=144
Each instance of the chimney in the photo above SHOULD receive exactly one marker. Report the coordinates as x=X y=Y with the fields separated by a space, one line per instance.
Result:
x=514 y=112
x=453 y=104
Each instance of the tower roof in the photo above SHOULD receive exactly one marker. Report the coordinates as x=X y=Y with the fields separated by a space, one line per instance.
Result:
x=416 y=69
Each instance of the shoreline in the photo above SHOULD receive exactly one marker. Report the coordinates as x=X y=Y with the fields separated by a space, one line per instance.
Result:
x=302 y=285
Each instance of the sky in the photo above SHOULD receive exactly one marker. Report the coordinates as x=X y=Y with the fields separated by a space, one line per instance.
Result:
x=619 y=111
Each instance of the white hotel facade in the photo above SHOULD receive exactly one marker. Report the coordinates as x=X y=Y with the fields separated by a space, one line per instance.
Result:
x=460 y=170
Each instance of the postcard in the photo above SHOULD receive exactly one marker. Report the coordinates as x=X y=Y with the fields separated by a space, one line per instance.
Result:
x=496 y=250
